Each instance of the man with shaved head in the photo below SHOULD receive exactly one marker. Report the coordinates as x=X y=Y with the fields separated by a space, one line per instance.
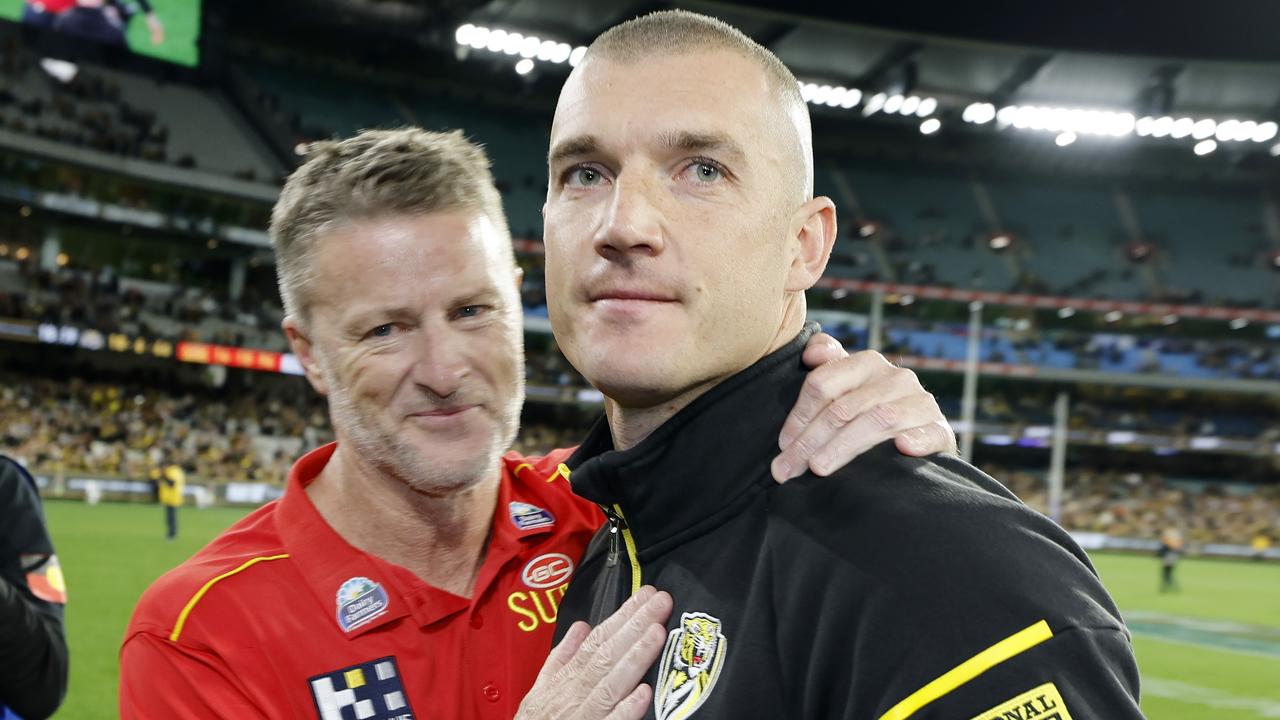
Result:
x=682 y=232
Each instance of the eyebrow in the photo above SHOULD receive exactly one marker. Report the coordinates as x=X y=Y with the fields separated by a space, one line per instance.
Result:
x=703 y=142
x=573 y=147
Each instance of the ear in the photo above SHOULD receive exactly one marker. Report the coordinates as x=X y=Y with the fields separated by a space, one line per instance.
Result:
x=300 y=342
x=814 y=229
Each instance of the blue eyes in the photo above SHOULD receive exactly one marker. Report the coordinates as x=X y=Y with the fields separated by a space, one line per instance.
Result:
x=700 y=171
x=382 y=331
x=706 y=172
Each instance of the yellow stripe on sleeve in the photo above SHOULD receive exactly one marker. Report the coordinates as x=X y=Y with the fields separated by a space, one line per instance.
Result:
x=182 y=616
x=1015 y=644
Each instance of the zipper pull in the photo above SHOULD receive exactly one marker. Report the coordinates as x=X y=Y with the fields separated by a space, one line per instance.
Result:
x=616 y=523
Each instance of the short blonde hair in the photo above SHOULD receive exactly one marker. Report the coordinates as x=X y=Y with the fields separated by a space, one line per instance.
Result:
x=408 y=171
x=672 y=32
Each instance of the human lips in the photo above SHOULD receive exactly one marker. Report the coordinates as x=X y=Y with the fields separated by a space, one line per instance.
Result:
x=632 y=295
x=444 y=413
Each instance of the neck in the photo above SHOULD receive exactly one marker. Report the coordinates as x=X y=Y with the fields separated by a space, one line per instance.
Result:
x=631 y=425
x=440 y=538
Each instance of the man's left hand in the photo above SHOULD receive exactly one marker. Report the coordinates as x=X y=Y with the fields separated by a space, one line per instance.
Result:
x=851 y=403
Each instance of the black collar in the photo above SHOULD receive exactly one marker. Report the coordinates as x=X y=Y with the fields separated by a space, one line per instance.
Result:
x=703 y=460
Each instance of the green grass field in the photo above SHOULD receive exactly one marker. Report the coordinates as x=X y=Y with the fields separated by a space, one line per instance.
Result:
x=1210 y=651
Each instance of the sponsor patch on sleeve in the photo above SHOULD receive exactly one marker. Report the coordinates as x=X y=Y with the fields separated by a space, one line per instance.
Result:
x=44 y=577
x=1042 y=703
x=368 y=691
x=527 y=517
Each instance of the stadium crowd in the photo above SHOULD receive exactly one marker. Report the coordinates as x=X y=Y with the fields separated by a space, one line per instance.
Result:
x=131 y=430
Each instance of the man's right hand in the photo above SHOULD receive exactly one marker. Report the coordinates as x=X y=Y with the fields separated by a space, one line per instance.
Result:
x=595 y=674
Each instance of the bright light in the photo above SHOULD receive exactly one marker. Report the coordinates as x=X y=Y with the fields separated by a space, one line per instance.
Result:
x=511 y=44
x=1066 y=312
x=1246 y=130
x=930 y=126
x=978 y=113
x=530 y=47
x=1007 y=114
x=463 y=34
x=928 y=106
x=524 y=67
x=999 y=242
x=1065 y=139
x=480 y=38
x=1162 y=127
x=546 y=49
x=874 y=104
x=893 y=104
x=822 y=95
x=562 y=53
x=1204 y=129
x=910 y=105
x=1169 y=320
x=1275 y=150
x=62 y=259
x=1182 y=127
x=1227 y=130
x=906 y=300
x=1113 y=316
x=22 y=254
x=851 y=98
x=1239 y=324
x=497 y=38
x=1144 y=126
x=1266 y=131
x=807 y=91
x=1204 y=147
x=576 y=56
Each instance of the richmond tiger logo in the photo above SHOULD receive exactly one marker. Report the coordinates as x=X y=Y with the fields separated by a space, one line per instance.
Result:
x=691 y=664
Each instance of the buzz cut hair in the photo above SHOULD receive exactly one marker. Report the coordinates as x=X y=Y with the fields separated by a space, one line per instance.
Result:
x=675 y=32
x=376 y=173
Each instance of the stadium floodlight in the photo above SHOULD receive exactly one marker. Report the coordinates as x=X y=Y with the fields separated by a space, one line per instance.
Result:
x=463 y=34
x=22 y=254
x=62 y=259
x=874 y=104
x=546 y=49
x=480 y=38
x=563 y=51
x=1144 y=126
x=910 y=105
x=893 y=104
x=978 y=113
x=1245 y=130
x=928 y=106
x=1182 y=127
x=1238 y=324
x=851 y=98
x=1006 y=114
x=930 y=126
x=1204 y=129
x=1265 y=132
x=1066 y=312
x=1065 y=139
x=576 y=56
x=529 y=47
x=512 y=43
x=906 y=300
x=1113 y=316
x=822 y=95
x=497 y=38
x=1275 y=150
x=1162 y=127
x=1227 y=130
x=837 y=96
x=524 y=67
x=807 y=91
x=1204 y=147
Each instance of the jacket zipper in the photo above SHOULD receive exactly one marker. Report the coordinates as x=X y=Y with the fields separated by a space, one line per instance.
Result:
x=618 y=528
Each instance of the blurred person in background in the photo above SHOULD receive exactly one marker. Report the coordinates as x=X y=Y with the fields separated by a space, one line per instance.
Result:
x=171 y=483
x=415 y=565
x=1170 y=553
x=33 y=594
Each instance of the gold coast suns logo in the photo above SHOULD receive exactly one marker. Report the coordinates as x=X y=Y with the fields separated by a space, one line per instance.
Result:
x=691 y=664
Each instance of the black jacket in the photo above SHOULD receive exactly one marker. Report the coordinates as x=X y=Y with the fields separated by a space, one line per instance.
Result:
x=33 y=648
x=870 y=594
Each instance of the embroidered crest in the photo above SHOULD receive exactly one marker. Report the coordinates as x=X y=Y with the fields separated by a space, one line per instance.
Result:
x=690 y=665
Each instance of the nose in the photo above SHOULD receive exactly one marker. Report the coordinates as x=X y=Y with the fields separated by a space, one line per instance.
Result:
x=632 y=222
x=440 y=365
